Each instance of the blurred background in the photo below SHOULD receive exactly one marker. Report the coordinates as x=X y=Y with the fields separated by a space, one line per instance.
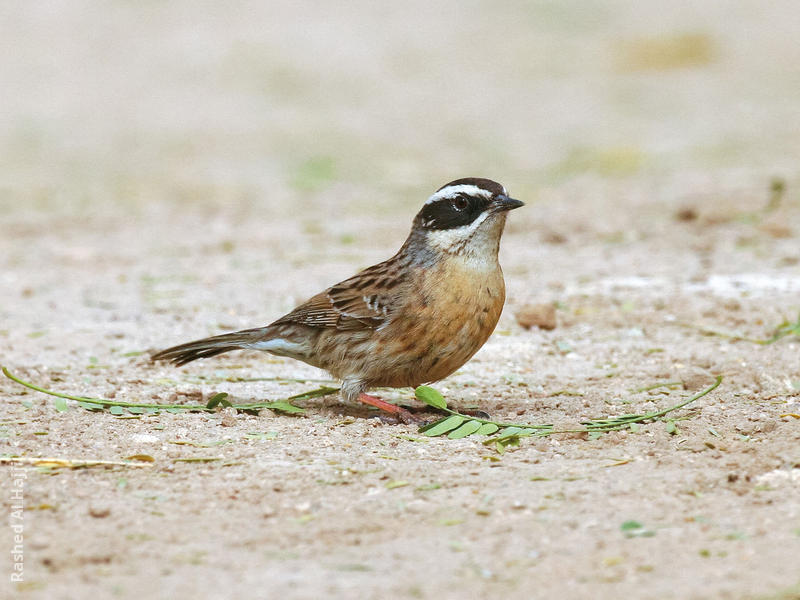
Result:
x=214 y=143
x=127 y=103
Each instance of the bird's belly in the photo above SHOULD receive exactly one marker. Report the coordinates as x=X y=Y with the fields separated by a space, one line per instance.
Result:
x=439 y=331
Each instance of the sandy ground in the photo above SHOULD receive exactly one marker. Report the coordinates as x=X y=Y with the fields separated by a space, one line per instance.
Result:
x=173 y=171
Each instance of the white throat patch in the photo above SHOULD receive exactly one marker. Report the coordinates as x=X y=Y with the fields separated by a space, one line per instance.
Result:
x=475 y=243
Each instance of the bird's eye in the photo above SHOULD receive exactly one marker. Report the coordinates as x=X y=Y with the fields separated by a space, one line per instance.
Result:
x=459 y=203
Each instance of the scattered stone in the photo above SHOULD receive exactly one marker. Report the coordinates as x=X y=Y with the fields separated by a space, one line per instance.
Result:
x=732 y=304
x=686 y=214
x=776 y=230
x=697 y=379
x=228 y=417
x=542 y=316
x=99 y=512
x=553 y=237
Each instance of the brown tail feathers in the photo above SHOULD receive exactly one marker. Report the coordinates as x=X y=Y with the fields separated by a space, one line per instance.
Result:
x=186 y=353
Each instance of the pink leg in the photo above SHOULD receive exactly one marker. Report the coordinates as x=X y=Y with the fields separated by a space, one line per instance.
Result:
x=401 y=413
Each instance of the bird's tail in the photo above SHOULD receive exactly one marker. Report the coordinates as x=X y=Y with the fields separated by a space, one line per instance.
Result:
x=186 y=353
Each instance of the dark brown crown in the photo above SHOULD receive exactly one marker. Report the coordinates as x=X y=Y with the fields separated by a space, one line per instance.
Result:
x=486 y=184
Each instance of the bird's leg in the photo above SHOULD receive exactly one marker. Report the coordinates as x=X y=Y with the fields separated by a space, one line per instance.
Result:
x=401 y=413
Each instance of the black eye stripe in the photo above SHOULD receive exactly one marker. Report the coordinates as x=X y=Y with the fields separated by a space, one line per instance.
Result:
x=442 y=214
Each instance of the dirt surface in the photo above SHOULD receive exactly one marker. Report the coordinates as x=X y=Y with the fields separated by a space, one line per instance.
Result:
x=173 y=170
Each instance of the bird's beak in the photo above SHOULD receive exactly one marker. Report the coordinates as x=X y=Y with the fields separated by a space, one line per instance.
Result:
x=503 y=203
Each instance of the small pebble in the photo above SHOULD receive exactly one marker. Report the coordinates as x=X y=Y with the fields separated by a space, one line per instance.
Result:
x=99 y=512
x=228 y=417
x=542 y=316
x=696 y=380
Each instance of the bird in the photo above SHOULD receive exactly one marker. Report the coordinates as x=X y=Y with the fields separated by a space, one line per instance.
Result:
x=411 y=320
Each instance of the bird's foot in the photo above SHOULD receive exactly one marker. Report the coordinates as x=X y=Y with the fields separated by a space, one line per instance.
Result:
x=411 y=416
x=398 y=413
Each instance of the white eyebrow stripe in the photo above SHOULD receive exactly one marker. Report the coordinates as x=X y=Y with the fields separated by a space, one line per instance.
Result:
x=451 y=190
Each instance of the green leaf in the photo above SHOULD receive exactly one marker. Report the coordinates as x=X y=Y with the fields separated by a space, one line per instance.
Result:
x=464 y=430
x=634 y=529
x=442 y=426
x=510 y=432
x=61 y=404
x=116 y=410
x=435 y=486
x=258 y=435
x=141 y=458
x=390 y=485
x=630 y=526
x=285 y=407
x=91 y=406
x=430 y=396
x=671 y=428
x=218 y=400
x=487 y=429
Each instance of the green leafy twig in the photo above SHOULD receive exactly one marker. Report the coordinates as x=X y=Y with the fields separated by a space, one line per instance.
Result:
x=456 y=425
x=782 y=330
x=119 y=407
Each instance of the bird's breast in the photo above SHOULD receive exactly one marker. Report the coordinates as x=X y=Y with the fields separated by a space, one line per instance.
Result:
x=450 y=312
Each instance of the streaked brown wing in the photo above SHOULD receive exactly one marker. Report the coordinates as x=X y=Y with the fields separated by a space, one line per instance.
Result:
x=365 y=301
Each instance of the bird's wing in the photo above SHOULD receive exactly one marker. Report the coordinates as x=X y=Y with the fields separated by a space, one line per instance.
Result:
x=365 y=301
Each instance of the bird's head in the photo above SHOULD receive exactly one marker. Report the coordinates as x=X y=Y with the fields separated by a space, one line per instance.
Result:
x=464 y=217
